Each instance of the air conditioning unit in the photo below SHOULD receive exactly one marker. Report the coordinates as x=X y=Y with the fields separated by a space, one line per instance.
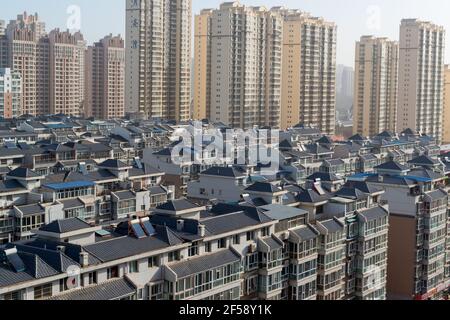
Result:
x=252 y=248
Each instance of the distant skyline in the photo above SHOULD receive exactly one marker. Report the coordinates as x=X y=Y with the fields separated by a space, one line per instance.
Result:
x=353 y=17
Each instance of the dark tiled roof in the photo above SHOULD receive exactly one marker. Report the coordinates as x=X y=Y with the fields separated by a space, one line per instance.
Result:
x=357 y=137
x=72 y=203
x=110 y=290
x=265 y=187
x=125 y=195
x=113 y=163
x=224 y=172
x=203 y=263
x=57 y=260
x=363 y=186
x=31 y=209
x=67 y=225
x=146 y=170
x=373 y=213
x=11 y=186
x=325 y=140
x=351 y=193
x=332 y=226
x=157 y=190
x=128 y=246
x=177 y=205
x=329 y=177
x=305 y=233
x=70 y=250
x=311 y=196
x=392 y=165
x=37 y=267
x=23 y=173
x=317 y=149
x=425 y=160
x=272 y=243
x=228 y=222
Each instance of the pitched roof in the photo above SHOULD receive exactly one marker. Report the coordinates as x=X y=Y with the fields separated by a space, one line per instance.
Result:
x=265 y=187
x=224 y=172
x=23 y=173
x=127 y=246
x=392 y=165
x=311 y=196
x=31 y=209
x=67 y=225
x=56 y=259
x=204 y=262
x=125 y=195
x=329 y=177
x=332 y=226
x=325 y=140
x=357 y=137
x=178 y=205
x=113 y=163
x=248 y=217
x=109 y=290
x=425 y=160
x=305 y=233
x=11 y=186
x=373 y=213
x=317 y=149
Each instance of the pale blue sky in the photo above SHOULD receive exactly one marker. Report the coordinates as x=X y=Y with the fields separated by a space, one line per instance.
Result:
x=353 y=17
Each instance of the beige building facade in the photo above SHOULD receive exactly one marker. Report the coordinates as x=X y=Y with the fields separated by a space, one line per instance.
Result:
x=105 y=79
x=66 y=66
x=237 y=68
x=376 y=83
x=158 y=58
x=309 y=71
x=446 y=114
x=421 y=77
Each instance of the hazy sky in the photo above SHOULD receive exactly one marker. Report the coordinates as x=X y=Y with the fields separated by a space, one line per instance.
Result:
x=353 y=17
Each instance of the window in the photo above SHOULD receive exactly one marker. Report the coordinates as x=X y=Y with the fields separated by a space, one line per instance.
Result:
x=16 y=295
x=91 y=279
x=133 y=267
x=43 y=291
x=193 y=249
x=265 y=232
x=156 y=292
x=237 y=239
x=153 y=262
x=174 y=256
x=208 y=247
x=222 y=243
x=250 y=235
x=112 y=272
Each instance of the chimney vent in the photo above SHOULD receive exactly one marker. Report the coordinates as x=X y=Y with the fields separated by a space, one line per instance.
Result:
x=201 y=230
x=84 y=259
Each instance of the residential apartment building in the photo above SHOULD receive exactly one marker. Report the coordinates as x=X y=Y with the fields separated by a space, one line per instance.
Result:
x=2 y=27
x=10 y=93
x=158 y=53
x=309 y=72
x=446 y=113
x=421 y=77
x=345 y=80
x=418 y=227
x=238 y=66
x=105 y=79
x=51 y=66
x=376 y=86
x=22 y=37
x=66 y=68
